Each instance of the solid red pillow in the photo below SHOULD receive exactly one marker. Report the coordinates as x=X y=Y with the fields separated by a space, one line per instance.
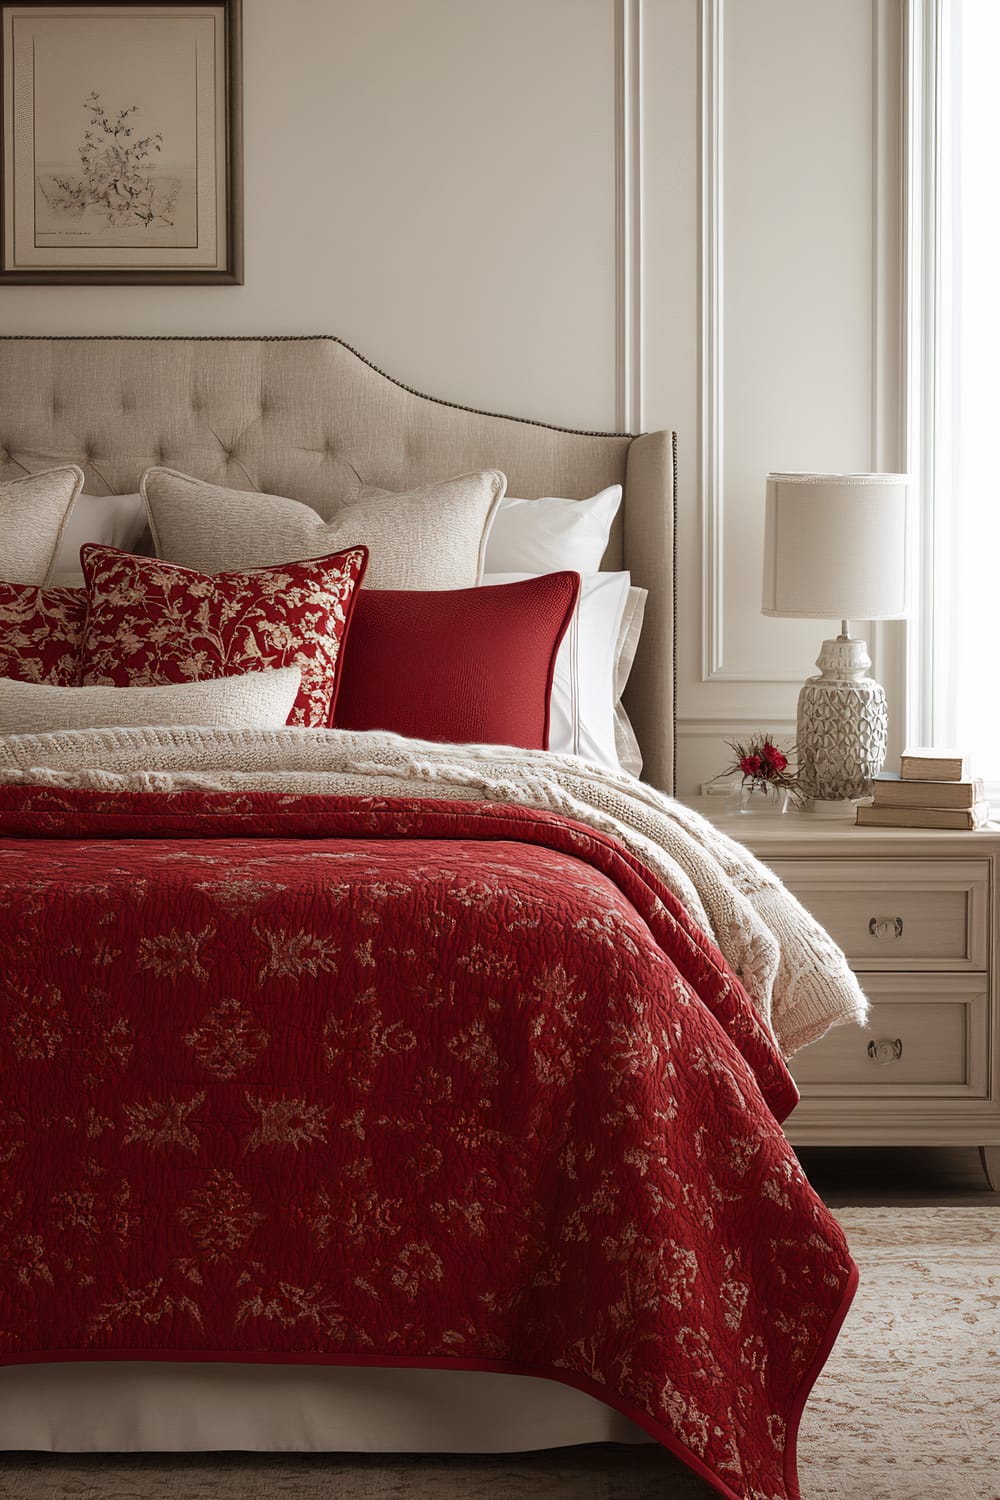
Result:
x=469 y=666
x=151 y=622
x=41 y=631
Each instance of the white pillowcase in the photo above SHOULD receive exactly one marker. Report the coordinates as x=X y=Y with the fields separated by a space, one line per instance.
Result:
x=255 y=700
x=626 y=743
x=548 y=535
x=584 y=697
x=34 y=511
x=112 y=520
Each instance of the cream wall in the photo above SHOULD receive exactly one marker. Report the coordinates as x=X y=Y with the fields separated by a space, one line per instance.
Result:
x=601 y=213
x=433 y=180
x=800 y=332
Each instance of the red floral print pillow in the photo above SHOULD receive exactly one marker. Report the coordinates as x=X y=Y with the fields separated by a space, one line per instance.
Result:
x=151 y=622
x=41 y=632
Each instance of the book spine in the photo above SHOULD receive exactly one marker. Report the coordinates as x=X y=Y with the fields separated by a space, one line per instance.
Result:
x=913 y=768
x=917 y=794
x=923 y=817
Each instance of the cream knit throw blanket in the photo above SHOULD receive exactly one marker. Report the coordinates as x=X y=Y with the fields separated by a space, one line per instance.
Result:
x=797 y=976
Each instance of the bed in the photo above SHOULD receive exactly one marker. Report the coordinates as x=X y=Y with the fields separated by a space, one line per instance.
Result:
x=160 y=1356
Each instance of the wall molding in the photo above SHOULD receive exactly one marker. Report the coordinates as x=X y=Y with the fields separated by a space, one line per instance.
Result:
x=711 y=420
x=712 y=354
x=888 y=271
x=887 y=440
x=888 y=639
x=923 y=114
x=731 y=724
x=629 y=300
x=710 y=414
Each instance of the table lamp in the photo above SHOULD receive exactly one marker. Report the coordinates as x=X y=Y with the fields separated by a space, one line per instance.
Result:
x=835 y=547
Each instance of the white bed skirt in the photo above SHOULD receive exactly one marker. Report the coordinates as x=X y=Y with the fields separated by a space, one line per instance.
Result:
x=165 y=1407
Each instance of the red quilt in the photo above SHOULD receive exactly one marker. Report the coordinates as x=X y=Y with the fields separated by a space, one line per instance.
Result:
x=398 y=1082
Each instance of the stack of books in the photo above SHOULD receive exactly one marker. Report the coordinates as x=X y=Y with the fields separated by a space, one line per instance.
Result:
x=933 y=789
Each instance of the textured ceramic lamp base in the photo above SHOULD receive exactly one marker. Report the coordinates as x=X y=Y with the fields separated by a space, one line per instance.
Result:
x=842 y=725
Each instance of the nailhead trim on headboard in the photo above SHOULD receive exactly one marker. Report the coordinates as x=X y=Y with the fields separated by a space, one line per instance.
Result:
x=298 y=338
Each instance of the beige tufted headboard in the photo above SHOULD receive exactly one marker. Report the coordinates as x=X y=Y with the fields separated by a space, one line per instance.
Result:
x=309 y=418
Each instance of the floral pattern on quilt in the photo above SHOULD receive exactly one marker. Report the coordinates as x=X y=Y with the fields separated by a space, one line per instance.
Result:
x=370 y=1081
x=152 y=622
x=41 y=633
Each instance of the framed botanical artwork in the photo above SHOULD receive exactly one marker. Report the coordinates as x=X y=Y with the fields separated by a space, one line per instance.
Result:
x=121 y=129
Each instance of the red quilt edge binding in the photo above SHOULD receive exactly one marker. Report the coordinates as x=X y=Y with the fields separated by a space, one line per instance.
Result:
x=665 y=1438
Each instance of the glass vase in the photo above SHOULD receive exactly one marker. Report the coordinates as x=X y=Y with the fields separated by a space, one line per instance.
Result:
x=763 y=799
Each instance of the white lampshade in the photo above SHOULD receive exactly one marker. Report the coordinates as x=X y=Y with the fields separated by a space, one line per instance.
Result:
x=835 y=546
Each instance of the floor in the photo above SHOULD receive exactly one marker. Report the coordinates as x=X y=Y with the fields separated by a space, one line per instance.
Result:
x=895 y=1177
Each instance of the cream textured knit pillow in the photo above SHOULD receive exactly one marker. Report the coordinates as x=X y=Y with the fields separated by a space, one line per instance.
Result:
x=33 y=515
x=428 y=538
x=257 y=700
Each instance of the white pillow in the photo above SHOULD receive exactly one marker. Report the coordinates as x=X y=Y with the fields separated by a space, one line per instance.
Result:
x=548 y=535
x=112 y=520
x=427 y=538
x=255 y=700
x=583 y=699
x=626 y=743
x=34 y=511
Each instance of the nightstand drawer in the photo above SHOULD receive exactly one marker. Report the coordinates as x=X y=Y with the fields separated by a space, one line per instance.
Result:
x=928 y=1034
x=895 y=913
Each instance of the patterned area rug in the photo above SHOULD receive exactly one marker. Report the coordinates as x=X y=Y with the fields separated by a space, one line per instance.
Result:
x=908 y=1407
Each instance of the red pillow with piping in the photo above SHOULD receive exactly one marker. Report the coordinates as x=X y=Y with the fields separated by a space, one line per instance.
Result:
x=41 y=631
x=151 y=622
x=466 y=666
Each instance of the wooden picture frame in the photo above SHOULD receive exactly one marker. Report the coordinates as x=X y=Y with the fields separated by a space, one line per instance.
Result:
x=121 y=136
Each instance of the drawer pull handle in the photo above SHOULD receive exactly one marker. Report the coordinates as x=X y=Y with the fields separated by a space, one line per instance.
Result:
x=885 y=1051
x=882 y=927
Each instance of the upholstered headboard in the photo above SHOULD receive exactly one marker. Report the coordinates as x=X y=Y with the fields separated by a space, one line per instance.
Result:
x=308 y=418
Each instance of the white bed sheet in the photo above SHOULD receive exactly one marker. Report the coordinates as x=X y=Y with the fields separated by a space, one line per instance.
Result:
x=137 y=1407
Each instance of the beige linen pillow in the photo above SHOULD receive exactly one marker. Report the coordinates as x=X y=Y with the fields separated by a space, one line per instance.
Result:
x=257 y=700
x=428 y=538
x=34 y=511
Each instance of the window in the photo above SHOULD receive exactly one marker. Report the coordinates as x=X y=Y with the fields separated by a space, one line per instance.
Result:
x=960 y=673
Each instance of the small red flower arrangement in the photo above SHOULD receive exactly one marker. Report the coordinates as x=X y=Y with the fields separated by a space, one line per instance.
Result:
x=762 y=764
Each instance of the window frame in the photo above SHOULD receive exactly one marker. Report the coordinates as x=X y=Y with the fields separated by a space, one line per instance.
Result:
x=929 y=429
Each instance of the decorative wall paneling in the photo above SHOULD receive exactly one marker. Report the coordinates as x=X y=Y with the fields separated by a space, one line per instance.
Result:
x=608 y=213
x=799 y=331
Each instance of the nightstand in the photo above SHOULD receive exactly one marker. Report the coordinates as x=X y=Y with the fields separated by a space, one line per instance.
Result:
x=916 y=911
